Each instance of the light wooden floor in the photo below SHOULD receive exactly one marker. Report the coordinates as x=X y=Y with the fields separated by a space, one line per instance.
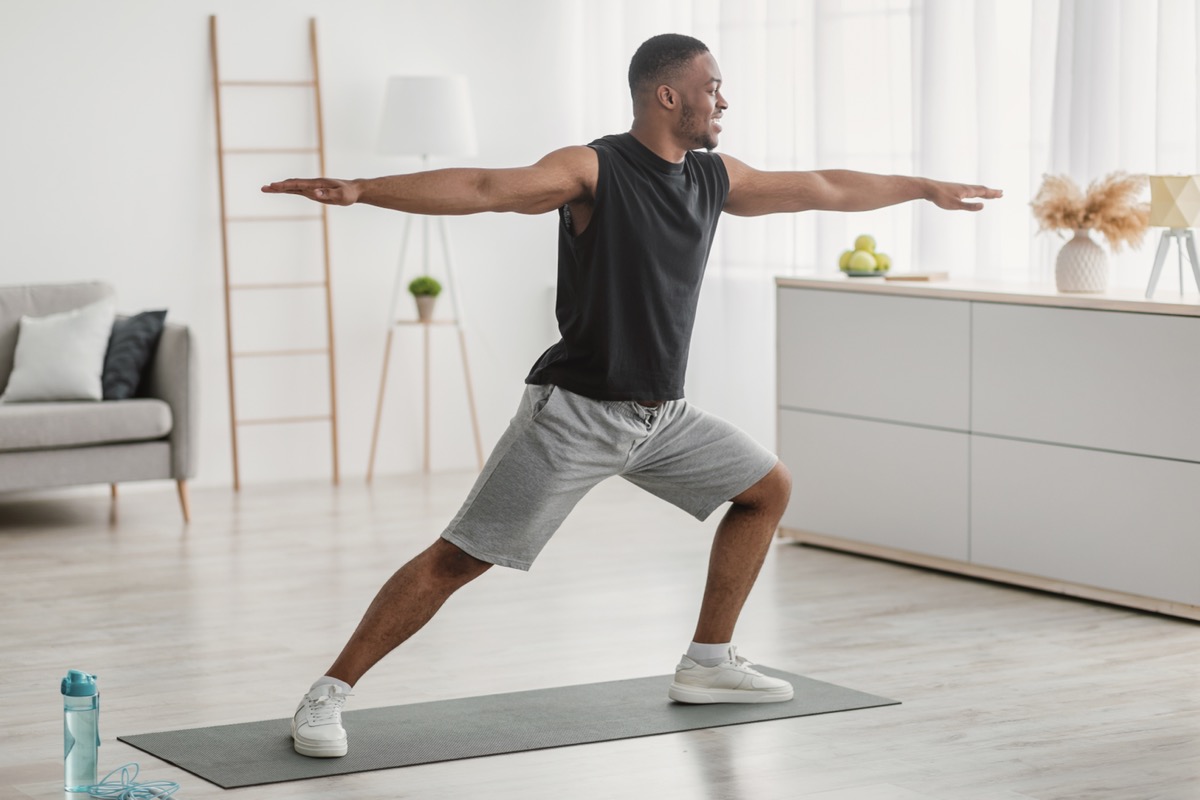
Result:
x=1006 y=694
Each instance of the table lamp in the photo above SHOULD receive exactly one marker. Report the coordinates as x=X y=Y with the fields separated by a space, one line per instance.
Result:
x=427 y=115
x=1175 y=205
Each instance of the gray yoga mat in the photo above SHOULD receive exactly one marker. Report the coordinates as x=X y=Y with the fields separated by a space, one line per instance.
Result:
x=254 y=753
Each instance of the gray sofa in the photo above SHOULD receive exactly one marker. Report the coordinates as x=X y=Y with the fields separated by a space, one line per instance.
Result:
x=45 y=445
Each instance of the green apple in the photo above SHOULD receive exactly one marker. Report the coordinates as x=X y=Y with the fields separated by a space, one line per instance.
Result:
x=883 y=262
x=844 y=261
x=865 y=242
x=862 y=261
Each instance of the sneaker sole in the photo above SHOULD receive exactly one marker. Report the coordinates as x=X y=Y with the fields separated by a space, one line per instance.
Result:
x=681 y=693
x=319 y=749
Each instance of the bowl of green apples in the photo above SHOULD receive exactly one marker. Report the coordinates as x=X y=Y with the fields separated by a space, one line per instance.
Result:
x=864 y=261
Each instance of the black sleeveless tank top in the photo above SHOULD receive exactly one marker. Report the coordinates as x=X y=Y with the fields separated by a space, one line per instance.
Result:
x=629 y=284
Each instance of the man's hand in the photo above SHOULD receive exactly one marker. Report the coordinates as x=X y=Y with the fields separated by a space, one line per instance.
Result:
x=323 y=190
x=951 y=196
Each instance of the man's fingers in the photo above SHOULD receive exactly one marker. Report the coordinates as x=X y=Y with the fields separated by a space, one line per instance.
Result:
x=290 y=186
x=985 y=192
x=322 y=190
x=957 y=196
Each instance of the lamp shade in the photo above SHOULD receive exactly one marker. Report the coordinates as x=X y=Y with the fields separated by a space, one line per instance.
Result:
x=427 y=116
x=1175 y=201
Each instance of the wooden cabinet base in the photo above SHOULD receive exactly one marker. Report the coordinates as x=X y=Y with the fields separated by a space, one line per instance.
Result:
x=1182 y=610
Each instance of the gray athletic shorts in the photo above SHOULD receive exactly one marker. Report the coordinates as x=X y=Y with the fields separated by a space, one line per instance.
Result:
x=559 y=445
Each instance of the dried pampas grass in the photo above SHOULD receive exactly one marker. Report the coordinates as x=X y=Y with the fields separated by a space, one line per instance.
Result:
x=1110 y=206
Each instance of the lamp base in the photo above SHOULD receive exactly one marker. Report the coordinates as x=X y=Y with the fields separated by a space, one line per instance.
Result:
x=1186 y=240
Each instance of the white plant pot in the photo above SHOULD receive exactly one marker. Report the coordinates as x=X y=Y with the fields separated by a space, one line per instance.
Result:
x=425 y=304
x=1082 y=265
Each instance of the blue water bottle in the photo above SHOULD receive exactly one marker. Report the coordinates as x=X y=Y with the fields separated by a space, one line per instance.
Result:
x=81 y=730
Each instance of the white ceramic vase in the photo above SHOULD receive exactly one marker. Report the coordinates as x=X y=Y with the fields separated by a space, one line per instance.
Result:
x=1082 y=265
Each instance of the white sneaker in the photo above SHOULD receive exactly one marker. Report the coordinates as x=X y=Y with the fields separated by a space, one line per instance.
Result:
x=731 y=681
x=317 y=724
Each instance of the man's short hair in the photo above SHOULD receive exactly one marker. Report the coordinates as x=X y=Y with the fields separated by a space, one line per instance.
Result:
x=659 y=60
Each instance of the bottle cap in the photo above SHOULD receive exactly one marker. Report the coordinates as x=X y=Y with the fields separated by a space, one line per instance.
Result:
x=79 y=684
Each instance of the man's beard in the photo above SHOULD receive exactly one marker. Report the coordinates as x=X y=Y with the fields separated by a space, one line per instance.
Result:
x=696 y=138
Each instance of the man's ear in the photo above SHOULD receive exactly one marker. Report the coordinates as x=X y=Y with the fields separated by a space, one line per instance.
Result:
x=666 y=96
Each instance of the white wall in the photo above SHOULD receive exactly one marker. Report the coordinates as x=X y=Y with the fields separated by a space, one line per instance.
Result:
x=107 y=143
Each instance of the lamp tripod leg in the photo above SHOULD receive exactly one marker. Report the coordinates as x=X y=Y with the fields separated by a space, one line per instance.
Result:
x=1190 y=240
x=393 y=310
x=428 y=410
x=387 y=357
x=462 y=338
x=462 y=343
x=1160 y=258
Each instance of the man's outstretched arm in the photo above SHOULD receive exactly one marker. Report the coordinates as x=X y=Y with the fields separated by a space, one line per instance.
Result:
x=561 y=177
x=753 y=192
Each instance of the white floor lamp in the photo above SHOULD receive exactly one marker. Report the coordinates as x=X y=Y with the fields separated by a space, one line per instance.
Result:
x=1175 y=205
x=426 y=116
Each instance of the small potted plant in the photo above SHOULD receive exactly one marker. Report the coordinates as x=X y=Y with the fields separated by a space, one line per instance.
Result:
x=1109 y=206
x=425 y=290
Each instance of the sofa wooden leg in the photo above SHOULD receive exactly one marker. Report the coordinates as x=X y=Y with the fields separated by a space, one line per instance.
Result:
x=183 y=501
x=114 y=491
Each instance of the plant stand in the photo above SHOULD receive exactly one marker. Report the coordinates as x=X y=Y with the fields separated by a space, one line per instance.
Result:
x=394 y=322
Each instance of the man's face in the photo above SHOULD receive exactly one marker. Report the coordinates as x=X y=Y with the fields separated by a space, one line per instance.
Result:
x=701 y=103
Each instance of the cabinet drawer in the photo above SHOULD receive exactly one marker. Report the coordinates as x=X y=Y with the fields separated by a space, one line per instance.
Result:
x=1110 y=380
x=875 y=482
x=895 y=358
x=1127 y=523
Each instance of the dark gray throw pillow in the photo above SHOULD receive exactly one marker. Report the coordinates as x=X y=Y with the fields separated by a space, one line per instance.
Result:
x=130 y=349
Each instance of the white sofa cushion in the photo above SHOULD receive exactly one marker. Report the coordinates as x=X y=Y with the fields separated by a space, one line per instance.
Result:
x=38 y=301
x=61 y=356
x=35 y=426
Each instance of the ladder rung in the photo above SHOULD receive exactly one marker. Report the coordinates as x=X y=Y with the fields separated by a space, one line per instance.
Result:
x=283 y=420
x=268 y=83
x=267 y=218
x=319 y=351
x=297 y=285
x=268 y=150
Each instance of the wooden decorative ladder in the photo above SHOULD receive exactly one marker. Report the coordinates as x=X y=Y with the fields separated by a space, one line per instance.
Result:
x=312 y=84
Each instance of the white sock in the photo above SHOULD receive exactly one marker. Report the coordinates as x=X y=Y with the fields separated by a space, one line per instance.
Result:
x=324 y=679
x=708 y=655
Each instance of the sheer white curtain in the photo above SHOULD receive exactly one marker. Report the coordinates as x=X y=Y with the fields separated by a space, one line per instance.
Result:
x=997 y=91
x=991 y=91
x=1126 y=96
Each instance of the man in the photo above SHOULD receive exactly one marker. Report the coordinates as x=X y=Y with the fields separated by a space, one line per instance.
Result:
x=637 y=216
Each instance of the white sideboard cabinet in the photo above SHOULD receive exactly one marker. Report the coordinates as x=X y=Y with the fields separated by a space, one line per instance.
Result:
x=1015 y=434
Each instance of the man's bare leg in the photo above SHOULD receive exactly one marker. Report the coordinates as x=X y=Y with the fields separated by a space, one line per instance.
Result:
x=738 y=551
x=406 y=602
x=712 y=674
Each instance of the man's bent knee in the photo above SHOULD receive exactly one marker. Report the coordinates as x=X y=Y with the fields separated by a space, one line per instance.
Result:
x=452 y=563
x=771 y=493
